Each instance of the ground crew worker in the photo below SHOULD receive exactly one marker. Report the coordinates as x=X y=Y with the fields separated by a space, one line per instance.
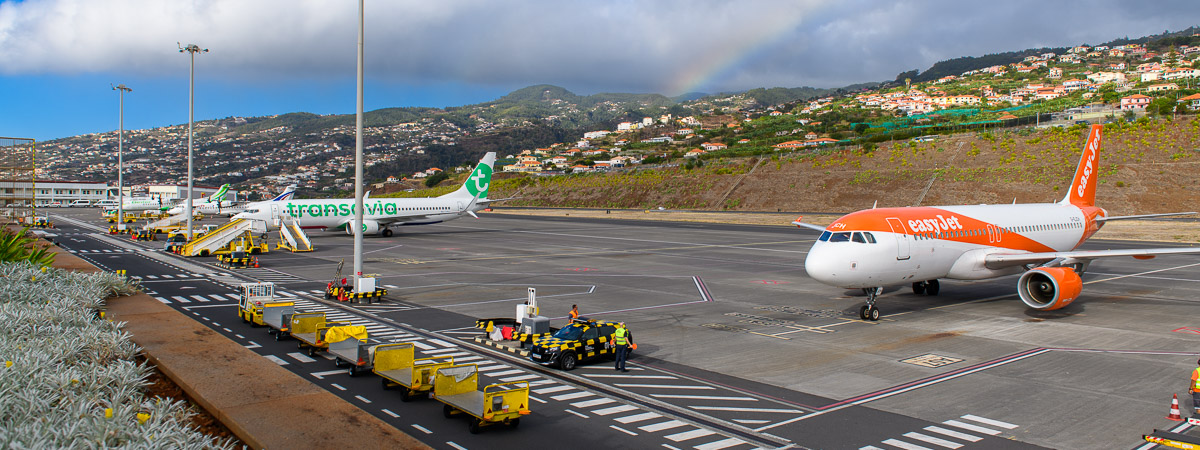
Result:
x=574 y=314
x=621 y=339
x=1194 y=388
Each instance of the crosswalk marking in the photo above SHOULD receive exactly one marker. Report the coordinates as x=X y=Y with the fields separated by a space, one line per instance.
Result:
x=440 y=350
x=301 y=357
x=718 y=445
x=217 y=298
x=932 y=440
x=663 y=386
x=975 y=428
x=199 y=298
x=507 y=372
x=688 y=435
x=276 y=360
x=180 y=299
x=572 y=396
x=519 y=378
x=442 y=343
x=953 y=434
x=730 y=408
x=551 y=390
x=662 y=426
x=987 y=421
x=704 y=397
x=162 y=299
x=638 y=417
x=614 y=410
x=904 y=445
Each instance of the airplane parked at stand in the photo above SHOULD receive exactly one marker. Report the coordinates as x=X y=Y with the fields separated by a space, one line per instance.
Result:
x=874 y=248
x=135 y=204
x=381 y=214
x=211 y=205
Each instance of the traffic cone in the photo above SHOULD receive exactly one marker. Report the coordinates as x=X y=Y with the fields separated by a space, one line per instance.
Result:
x=1174 y=415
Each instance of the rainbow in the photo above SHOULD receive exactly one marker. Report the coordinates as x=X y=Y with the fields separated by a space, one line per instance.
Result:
x=723 y=61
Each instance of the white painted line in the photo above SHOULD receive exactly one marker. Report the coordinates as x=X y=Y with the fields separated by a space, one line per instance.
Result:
x=423 y=429
x=718 y=445
x=662 y=426
x=518 y=378
x=217 y=298
x=678 y=437
x=904 y=445
x=364 y=399
x=932 y=440
x=870 y=447
x=457 y=354
x=301 y=357
x=252 y=345
x=338 y=386
x=322 y=375
x=638 y=417
x=233 y=296
x=495 y=367
x=469 y=358
x=987 y=421
x=240 y=336
x=442 y=343
x=671 y=447
x=389 y=286
x=591 y=403
x=422 y=346
x=572 y=396
x=657 y=377
x=440 y=350
x=975 y=428
x=953 y=434
x=276 y=360
x=537 y=399
x=622 y=430
x=613 y=410
x=750 y=421
x=165 y=301
x=199 y=298
x=167 y=276
x=664 y=386
x=575 y=413
x=180 y=299
x=452 y=444
x=386 y=411
x=730 y=408
x=704 y=397
x=227 y=330
x=540 y=383
x=506 y=372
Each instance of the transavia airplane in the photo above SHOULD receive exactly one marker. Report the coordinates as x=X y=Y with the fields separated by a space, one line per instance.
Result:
x=211 y=205
x=880 y=247
x=381 y=214
x=140 y=204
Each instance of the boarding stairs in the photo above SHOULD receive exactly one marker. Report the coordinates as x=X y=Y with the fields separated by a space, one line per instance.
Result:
x=214 y=240
x=166 y=224
x=293 y=238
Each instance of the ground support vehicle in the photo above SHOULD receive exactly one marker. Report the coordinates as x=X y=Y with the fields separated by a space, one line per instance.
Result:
x=502 y=403
x=351 y=347
x=236 y=260
x=143 y=235
x=396 y=367
x=252 y=298
x=309 y=328
x=1172 y=440
x=39 y=222
x=347 y=294
x=278 y=317
x=524 y=339
x=582 y=341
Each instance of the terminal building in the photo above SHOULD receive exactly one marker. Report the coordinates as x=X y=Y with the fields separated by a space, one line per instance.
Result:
x=65 y=193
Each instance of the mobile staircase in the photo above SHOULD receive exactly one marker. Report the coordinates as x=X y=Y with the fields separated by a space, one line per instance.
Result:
x=219 y=238
x=166 y=224
x=293 y=238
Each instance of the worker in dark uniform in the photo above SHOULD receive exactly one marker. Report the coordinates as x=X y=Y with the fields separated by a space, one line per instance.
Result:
x=1194 y=388
x=621 y=340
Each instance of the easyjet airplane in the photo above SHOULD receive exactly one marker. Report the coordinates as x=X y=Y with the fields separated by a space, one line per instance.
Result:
x=880 y=247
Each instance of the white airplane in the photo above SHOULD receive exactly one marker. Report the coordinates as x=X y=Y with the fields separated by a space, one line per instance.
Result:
x=381 y=214
x=211 y=205
x=880 y=247
x=135 y=204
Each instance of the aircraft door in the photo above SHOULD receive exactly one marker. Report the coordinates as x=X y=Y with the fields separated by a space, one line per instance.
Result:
x=460 y=205
x=275 y=219
x=902 y=244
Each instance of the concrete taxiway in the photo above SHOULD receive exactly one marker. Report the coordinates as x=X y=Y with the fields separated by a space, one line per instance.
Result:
x=738 y=348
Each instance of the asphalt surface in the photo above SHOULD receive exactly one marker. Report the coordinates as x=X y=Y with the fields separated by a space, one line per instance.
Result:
x=738 y=348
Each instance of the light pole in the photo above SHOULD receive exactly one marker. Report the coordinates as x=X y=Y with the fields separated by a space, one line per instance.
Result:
x=358 y=163
x=192 y=49
x=120 y=158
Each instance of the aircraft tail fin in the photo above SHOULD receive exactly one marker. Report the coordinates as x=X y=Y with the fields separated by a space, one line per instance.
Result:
x=286 y=195
x=1083 y=186
x=477 y=184
x=220 y=194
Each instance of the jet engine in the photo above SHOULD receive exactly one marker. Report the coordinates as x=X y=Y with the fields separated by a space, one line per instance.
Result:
x=368 y=227
x=1049 y=288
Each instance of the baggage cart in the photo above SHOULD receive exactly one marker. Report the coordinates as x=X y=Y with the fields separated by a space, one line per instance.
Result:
x=309 y=329
x=396 y=367
x=351 y=350
x=501 y=403
x=278 y=317
x=251 y=299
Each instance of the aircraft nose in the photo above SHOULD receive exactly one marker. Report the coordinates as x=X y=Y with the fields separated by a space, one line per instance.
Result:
x=821 y=264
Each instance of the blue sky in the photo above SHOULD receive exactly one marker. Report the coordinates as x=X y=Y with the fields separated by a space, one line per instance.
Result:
x=59 y=57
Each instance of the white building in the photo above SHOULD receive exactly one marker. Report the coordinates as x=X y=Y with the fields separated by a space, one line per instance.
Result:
x=176 y=192
x=63 y=192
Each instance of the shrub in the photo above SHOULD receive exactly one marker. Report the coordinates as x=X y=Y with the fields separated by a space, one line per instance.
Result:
x=20 y=246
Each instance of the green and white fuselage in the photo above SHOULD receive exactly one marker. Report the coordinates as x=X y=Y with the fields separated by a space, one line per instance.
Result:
x=380 y=214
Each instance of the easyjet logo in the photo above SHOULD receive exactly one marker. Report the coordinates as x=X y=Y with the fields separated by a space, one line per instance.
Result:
x=1087 y=165
x=939 y=224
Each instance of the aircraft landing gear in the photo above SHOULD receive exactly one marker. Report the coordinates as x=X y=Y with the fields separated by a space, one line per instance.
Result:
x=386 y=232
x=869 y=311
x=930 y=287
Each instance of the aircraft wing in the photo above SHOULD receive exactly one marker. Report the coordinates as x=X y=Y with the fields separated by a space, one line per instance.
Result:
x=1002 y=260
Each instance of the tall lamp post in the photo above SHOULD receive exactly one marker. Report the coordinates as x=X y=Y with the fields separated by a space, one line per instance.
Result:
x=358 y=164
x=192 y=49
x=120 y=158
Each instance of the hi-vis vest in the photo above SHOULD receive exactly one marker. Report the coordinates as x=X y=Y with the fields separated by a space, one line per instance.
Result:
x=619 y=337
x=1195 y=379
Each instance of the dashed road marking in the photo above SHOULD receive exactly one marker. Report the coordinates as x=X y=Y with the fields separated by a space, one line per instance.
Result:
x=276 y=360
x=423 y=429
x=638 y=417
x=622 y=430
x=390 y=413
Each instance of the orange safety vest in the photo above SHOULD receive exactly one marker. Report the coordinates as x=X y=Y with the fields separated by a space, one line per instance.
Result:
x=1196 y=380
x=574 y=314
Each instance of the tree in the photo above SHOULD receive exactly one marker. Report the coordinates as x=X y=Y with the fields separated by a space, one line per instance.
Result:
x=436 y=178
x=1162 y=106
x=860 y=128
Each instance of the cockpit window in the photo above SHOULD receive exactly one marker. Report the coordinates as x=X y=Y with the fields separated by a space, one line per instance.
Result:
x=858 y=237
x=824 y=236
x=840 y=237
x=870 y=237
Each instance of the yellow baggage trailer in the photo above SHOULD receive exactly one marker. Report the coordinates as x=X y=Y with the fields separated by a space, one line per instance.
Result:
x=396 y=367
x=309 y=329
x=500 y=403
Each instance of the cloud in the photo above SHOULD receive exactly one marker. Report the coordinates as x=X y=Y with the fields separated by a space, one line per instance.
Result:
x=662 y=46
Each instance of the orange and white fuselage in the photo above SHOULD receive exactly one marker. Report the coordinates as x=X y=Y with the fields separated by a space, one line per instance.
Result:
x=874 y=248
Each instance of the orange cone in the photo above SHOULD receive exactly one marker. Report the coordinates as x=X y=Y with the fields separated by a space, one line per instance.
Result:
x=1174 y=415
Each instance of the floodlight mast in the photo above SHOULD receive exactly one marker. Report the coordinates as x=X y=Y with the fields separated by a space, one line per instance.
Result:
x=120 y=159
x=192 y=49
x=358 y=162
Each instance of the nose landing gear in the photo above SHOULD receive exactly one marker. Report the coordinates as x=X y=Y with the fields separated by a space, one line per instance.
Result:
x=869 y=311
